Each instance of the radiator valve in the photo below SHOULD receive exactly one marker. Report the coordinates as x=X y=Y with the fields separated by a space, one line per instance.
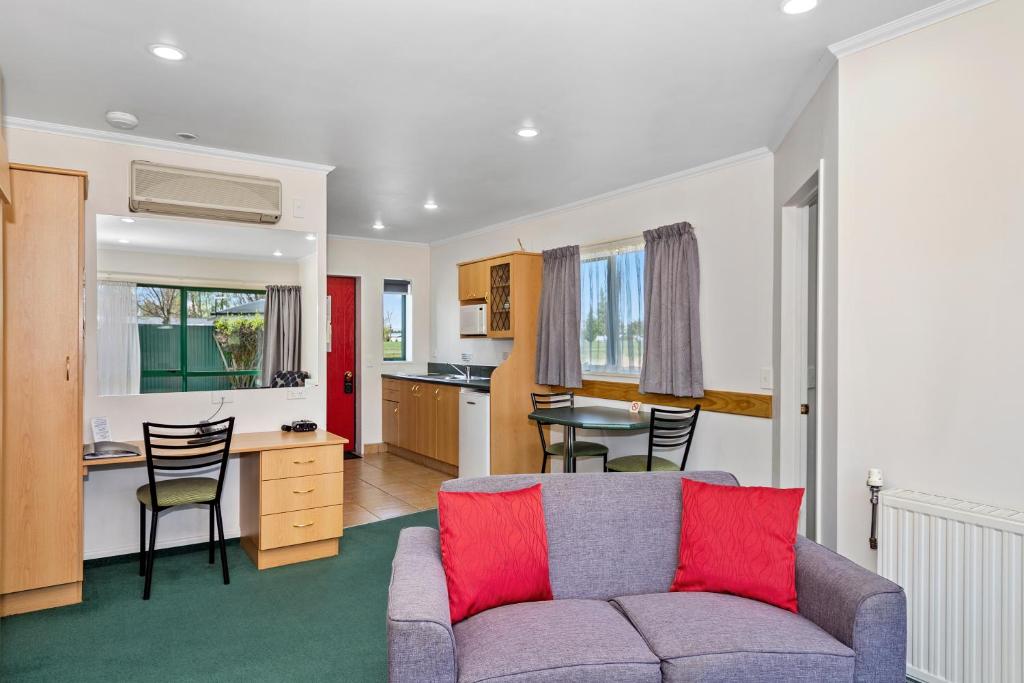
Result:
x=875 y=485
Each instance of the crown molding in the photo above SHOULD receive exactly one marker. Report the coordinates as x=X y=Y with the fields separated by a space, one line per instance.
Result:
x=14 y=122
x=734 y=160
x=911 y=22
x=356 y=238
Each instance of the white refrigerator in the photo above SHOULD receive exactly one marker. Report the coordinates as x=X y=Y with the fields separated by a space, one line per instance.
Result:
x=474 y=433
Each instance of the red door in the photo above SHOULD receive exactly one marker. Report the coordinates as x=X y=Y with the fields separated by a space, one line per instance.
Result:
x=341 y=359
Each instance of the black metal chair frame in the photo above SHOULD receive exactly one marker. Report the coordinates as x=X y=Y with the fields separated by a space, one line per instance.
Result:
x=191 y=448
x=559 y=400
x=671 y=429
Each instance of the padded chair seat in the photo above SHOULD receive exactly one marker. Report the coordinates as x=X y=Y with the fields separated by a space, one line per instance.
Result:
x=580 y=449
x=582 y=641
x=713 y=637
x=183 y=491
x=638 y=463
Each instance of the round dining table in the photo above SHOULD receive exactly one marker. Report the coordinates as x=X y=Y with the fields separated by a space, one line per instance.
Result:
x=590 y=417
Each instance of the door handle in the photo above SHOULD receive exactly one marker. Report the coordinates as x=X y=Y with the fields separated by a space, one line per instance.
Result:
x=805 y=409
x=67 y=368
x=349 y=382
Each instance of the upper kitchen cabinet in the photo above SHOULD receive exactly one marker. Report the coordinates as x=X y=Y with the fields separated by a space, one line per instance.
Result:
x=474 y=281
x=503 y=282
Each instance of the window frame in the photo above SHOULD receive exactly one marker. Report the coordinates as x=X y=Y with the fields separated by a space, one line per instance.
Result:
x=183 y=372
x=406 y=318
x=608 y=252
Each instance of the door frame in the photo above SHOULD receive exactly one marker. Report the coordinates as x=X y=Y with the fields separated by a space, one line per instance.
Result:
x=357 y=445
x=793 y=377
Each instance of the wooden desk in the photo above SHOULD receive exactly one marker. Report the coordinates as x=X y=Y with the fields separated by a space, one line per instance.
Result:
x=291 y=493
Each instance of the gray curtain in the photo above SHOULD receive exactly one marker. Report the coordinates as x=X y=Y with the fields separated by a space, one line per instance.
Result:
x=672 y=360
x=558 y=329
x=282 y=331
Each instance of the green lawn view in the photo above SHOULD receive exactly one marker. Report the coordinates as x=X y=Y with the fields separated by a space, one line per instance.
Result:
x=393 y=350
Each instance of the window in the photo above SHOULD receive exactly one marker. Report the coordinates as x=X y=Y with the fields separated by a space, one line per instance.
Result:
x=612 y=308
x=396 y=320
x=199 y=339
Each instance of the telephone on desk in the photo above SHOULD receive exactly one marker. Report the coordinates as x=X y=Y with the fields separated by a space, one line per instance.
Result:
x=108 y=449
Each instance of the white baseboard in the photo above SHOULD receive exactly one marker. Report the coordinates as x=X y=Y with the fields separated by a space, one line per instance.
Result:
x=132 y=548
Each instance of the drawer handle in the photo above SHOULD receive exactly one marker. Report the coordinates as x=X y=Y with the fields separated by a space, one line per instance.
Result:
x=302 y=490
x=303 y=462
x=299 y=526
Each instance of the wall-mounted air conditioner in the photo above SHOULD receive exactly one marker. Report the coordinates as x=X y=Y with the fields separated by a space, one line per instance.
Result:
x=175 y=191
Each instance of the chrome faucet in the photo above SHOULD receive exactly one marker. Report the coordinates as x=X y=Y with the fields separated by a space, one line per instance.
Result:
x=465 y=373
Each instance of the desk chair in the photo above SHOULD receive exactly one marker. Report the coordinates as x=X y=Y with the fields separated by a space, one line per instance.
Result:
x=181 y=448
x=669 y=429
x=580 y=449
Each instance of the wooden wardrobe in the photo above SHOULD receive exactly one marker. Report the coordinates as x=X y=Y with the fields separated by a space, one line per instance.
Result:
x=43 y=301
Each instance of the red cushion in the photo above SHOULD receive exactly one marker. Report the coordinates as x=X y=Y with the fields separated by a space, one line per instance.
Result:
x=494 y=548
x=739 y=540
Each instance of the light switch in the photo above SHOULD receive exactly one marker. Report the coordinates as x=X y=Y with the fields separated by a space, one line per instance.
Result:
x=766 y=378
x=298 y=209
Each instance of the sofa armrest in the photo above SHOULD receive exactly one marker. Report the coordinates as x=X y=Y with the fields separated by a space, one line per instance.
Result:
x=421 y=644
x=859 y=608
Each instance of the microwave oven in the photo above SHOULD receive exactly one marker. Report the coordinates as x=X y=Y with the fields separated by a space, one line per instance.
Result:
x=473 y=319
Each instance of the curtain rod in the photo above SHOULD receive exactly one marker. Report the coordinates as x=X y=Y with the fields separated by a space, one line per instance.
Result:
x=632 y=239
x=171 y=281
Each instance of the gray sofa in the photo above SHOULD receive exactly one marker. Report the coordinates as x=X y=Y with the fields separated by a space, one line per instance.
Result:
x=613 y=549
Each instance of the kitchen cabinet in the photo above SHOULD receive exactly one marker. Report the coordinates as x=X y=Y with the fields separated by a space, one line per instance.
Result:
x=505 y=282
x=424 y=420
x=474 y=281
x=446 y=425
x=391 y=419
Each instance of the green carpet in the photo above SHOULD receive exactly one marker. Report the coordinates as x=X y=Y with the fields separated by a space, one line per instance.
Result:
x=317 y=621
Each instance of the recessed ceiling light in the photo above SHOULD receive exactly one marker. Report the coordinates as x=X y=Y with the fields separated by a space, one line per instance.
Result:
x=277 y=252
x=430 y=205
x=310 y=236
x=127 y=220
x=168 y=52
x=527 y=132
x=377 y=225
x=798 y=6
x=124 y=241
x=122 y=120
x=188 y=137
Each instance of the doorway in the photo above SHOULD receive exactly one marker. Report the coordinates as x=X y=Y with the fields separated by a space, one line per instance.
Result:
x=342 y=315
x=799 y=421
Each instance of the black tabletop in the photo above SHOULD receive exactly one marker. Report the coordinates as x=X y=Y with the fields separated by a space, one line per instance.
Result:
x=593 y=417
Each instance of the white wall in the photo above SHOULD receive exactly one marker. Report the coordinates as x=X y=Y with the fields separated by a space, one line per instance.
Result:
x=730 y=206
x=811 y=147
x=931 y=232
x=374 y=261
x=111 y=511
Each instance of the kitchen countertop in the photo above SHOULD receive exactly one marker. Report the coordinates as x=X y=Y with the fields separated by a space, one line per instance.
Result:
x=479 y=384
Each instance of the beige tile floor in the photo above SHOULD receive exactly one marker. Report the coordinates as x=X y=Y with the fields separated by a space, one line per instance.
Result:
x=382 y=485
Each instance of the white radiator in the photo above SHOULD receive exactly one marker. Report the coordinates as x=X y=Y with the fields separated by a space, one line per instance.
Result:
x=962 y=566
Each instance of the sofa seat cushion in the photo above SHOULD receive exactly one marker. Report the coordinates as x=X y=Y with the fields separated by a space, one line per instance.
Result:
x=715 y=637
x=558 y=640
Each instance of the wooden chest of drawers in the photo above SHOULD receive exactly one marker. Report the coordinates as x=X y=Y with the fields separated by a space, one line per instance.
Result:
x=292 y=504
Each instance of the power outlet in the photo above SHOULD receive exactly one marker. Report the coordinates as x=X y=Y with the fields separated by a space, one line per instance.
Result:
x=219 y=397
x=298 y=209
x=296 y=393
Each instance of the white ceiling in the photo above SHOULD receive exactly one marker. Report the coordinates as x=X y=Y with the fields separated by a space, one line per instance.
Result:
x=197 y=238
x=412 y=99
